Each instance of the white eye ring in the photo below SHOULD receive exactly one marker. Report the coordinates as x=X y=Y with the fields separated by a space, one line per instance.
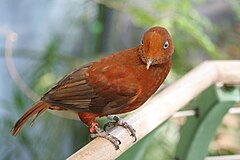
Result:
x=165 y=46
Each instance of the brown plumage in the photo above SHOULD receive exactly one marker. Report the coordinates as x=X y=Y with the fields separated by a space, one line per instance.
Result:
x=118 y=83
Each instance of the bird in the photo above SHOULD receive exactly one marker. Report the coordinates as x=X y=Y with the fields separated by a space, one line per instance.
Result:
x=118 y=83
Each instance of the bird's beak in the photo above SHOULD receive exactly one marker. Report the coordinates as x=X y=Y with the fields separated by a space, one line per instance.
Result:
x=149 y=63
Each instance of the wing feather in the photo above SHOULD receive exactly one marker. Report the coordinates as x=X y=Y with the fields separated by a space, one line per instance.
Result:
x=100 y=92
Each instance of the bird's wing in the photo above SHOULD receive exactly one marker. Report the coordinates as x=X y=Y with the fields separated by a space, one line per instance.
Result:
x=102 y=91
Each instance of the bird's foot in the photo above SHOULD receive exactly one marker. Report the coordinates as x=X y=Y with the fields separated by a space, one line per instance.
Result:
x=98 y=132
x=119 y=122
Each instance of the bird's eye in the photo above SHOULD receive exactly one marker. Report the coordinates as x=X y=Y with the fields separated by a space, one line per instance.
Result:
x=142 y=42
x=165 y=46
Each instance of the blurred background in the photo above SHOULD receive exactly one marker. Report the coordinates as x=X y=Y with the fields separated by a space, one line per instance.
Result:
x=40 y=41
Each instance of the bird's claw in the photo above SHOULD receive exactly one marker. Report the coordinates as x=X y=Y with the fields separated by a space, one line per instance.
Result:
x=130 y=129
x=101 y=133
x=119 y=122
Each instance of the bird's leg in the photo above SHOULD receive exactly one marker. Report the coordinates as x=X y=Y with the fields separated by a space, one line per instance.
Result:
x=119 y=122
x=98 y=132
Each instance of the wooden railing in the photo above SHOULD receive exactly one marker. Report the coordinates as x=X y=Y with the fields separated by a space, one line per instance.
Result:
x=162 y=107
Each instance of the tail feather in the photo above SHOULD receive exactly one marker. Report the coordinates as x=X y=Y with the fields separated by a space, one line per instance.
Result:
x=38 y=108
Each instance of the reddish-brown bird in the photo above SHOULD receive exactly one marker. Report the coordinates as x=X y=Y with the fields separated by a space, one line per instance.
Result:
x=115 y=84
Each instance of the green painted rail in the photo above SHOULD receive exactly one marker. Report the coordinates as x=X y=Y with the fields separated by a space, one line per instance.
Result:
x=198 y=131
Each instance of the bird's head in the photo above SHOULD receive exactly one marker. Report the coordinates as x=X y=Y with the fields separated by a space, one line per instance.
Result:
x=157 y=46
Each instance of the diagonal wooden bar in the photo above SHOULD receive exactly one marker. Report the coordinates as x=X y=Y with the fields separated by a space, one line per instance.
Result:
x=161 y=107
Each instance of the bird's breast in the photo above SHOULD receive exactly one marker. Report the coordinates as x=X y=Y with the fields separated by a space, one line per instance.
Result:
x=149 y=81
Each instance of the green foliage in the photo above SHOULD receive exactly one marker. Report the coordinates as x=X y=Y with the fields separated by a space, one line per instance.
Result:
x=235 y=6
